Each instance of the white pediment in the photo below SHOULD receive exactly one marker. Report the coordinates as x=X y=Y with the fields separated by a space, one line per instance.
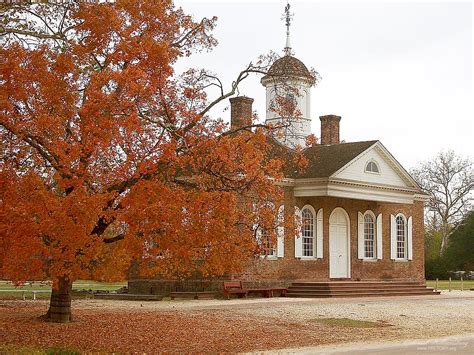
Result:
x=390 y=172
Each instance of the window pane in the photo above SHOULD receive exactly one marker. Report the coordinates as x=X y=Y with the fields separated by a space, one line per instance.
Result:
x=401 y=238
x=372 y=167
x=307 y=231
x=266 y=244
x=369 y=227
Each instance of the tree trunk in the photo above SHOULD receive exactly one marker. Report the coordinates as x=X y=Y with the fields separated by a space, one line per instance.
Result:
x=443 y=245
x=446 y=231
x=60 y=304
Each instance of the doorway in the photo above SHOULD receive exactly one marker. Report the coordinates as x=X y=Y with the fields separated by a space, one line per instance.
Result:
x=339 y=244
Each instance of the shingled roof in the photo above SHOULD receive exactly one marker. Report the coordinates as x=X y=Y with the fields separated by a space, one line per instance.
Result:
x=288 y=66
x=323 y=160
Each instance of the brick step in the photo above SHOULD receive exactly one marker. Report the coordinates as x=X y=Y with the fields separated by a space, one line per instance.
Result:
x=368 y=287
x=358 y=289
x=379 y=290
x=350 y=287
x=362 y=294
x=350 y=283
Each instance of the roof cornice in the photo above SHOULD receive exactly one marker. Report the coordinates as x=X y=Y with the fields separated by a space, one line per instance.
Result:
x=339 y=181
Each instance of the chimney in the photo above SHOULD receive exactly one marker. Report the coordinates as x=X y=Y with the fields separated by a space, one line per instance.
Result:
x=240 y=111
x=329 y=129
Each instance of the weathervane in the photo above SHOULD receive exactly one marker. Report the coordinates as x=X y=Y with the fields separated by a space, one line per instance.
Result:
x=287 y=17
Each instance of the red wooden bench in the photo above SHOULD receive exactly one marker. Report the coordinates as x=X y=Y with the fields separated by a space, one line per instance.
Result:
x=234 y=287
x=267 y=291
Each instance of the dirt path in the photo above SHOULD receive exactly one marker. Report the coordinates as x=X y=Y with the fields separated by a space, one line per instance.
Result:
x=462 y=345
x=232 y=326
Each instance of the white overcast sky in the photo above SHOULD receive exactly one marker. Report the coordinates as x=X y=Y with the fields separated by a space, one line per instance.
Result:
x=399 y=72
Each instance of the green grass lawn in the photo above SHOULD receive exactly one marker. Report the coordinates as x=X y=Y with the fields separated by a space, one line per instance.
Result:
x=11 y=349
x=350 y=323
x=455 y=284
x=8 y=290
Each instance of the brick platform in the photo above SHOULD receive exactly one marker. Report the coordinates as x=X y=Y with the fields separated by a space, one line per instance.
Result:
x=359 y=289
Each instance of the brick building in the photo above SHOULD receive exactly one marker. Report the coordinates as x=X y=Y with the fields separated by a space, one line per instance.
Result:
x=361 y=212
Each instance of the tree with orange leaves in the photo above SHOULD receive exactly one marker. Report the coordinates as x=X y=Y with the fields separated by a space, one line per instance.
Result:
x=110 y=157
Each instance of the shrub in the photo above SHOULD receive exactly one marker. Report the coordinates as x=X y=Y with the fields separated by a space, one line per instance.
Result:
x=436 y=268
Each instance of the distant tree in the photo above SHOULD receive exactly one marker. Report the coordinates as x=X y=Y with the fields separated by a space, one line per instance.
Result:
x=108 y=156
x=460 y=251
x=448 y=179
x=432 y=244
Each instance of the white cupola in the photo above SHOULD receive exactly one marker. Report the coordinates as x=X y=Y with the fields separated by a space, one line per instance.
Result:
x=288 y=89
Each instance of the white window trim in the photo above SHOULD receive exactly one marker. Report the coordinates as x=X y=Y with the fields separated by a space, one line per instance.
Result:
x=265 y=256
x=297 y=239
x=315 y=224
x=268 y=257
x=320 y=234
x=410 y=238
x=374 y=258
x=405 y=219
x=309 y=258
x=280 y=231
x=372 y=172
x=280 y=218
x=379 y=236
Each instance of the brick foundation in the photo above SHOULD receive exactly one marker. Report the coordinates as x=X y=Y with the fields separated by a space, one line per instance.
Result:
x=164 y=287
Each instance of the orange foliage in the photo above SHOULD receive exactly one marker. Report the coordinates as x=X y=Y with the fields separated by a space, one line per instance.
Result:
x=108 y=156
x=129 y=328
x=311 y=140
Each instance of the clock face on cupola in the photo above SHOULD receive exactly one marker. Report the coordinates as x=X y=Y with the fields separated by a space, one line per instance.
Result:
x=288 y=85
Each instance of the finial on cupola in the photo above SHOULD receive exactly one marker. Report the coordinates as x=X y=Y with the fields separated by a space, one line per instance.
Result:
x=287 y=17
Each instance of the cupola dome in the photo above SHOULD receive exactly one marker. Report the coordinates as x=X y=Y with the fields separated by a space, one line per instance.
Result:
x=288 y=67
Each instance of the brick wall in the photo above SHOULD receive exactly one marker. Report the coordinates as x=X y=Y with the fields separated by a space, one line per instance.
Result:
x=283 y=271
x=290 y=268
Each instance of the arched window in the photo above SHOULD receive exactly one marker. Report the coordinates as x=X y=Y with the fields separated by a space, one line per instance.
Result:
x=369 y=236
x=307 y=232
x=372 y=167
x=290 y=97
x=401 y=237
x=290 y=104
x=267 y=247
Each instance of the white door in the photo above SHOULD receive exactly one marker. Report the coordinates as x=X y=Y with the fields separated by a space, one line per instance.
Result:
x=339 y=265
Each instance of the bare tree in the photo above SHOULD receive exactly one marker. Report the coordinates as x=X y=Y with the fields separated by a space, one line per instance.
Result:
x=448 y=178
